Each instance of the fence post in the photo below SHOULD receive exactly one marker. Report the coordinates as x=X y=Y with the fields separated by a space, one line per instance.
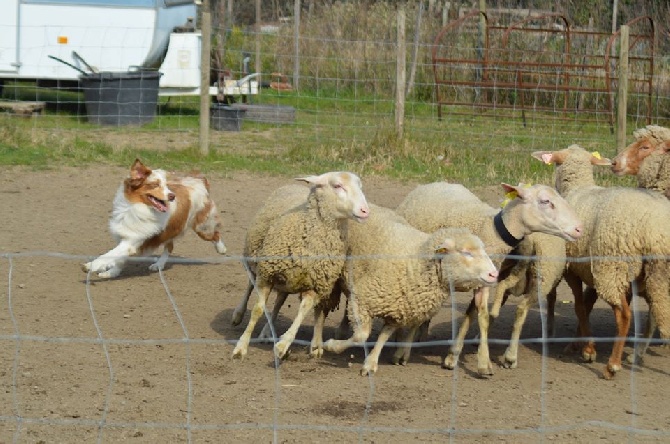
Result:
x=258 y=36
x=400 y=74
x=205 y=55
x=622 y=102
x=296 y=43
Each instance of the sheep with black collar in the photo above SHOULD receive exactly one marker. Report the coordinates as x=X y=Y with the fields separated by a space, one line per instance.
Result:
x=537 y=208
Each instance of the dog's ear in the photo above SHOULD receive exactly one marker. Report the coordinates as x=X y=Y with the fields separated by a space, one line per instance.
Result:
x=139 y=171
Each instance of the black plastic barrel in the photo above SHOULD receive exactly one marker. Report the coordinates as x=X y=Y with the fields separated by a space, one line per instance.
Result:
x=226 y=118
x=121 y=98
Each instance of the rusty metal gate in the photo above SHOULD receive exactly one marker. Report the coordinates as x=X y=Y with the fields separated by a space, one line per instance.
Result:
x=540 y=65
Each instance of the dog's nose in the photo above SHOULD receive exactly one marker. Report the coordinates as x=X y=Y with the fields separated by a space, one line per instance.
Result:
x=171 y=197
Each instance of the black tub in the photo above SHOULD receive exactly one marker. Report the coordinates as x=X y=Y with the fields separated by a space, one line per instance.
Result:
x=121 y=98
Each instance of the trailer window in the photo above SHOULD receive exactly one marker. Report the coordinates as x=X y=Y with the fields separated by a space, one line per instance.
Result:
x=126 y=3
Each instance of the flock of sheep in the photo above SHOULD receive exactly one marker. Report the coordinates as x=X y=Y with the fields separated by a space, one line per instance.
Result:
x=326 y=243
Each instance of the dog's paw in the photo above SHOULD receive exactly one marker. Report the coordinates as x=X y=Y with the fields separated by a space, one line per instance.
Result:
x=111 y=273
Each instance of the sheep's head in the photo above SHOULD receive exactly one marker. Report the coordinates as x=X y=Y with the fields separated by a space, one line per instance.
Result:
x=463 y=259
x=347 y=192
x=541 y=209
x=648 y=140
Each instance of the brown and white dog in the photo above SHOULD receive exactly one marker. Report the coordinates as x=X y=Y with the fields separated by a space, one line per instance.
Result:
x=151 y=211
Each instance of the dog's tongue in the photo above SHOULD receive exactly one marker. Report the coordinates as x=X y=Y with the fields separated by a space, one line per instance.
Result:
x=158 y=204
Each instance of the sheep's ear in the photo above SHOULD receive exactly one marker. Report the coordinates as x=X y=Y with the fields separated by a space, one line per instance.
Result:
x=445 y=247
x=547 y=157
x=314 y=180
x=138 y=171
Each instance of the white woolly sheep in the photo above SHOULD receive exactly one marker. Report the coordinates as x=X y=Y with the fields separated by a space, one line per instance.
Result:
x=303 y=251
x=402 y=275
x=537 y=208
x=283 y=200
x=647 y=140
x=531 y=279
x=626 y=237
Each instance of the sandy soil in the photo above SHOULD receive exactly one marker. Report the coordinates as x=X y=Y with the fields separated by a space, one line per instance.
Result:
x=146 y=358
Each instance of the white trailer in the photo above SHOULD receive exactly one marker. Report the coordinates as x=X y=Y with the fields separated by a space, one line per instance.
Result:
x=108 y=35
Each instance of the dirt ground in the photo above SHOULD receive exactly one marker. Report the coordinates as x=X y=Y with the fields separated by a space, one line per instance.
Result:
x=145 y=358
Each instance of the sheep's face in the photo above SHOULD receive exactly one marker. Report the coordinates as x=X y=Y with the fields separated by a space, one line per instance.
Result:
x=347 y=192
x=629 y=160
x=464 y=261
x=544 y=210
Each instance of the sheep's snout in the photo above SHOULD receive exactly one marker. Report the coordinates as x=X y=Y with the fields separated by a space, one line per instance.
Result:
x=575 y=233
x=491 y=277
x=362 y=214
x=619 y=166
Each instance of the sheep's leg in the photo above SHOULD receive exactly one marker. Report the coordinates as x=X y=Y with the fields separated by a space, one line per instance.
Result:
x=266 y=333
x=582 y=313
x=451 y=360
x=484 y=366
x=402 y=353
x=510 y=358
x=263 y=290
x=372 y=360
x=163 y=258
x=316 y=346
x=306 y=304
x=362 y=329
x=343 y=328
x=551 y=309
x=622 y=316
x=640 y=349
x=502 y=295
x=238 y=313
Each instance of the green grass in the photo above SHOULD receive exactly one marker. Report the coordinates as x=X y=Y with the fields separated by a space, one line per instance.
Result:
x=348 y=132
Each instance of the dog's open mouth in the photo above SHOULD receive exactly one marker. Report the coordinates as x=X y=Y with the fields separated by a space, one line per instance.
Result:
x=158 y=204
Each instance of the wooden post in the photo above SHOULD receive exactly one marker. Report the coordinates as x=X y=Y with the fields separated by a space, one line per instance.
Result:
x=258 y=37
x=622 y=102
x=205 y=61
x=400 y=75
x=296 y=44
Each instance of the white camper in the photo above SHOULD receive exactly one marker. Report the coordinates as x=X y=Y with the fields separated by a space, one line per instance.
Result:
x=54 y=41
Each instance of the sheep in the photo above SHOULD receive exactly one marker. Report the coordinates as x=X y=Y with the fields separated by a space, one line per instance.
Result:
x=625 y=236
x=403 y=275
x=536 y=208
x=531 y=279
x=303 y=252
x=647 y=140
x=283 y=200
x=652 y=167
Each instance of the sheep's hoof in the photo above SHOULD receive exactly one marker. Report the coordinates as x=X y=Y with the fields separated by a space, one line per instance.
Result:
x=399 y=358
x=331 y=345
x=237 y=317
x=315 y=351
x=588 y=354
x=611 y=370
x=369 y=369
x=509 y=361
x=634 y=359
x=486 y=370
x=281 y=348
x=450 y=361
x=239 y=352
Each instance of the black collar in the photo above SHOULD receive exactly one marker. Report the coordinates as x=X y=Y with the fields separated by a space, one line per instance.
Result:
x=505 y=235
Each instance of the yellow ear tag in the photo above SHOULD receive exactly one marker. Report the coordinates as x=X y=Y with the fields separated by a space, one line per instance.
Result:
x=596 y=154
x=509 y=197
